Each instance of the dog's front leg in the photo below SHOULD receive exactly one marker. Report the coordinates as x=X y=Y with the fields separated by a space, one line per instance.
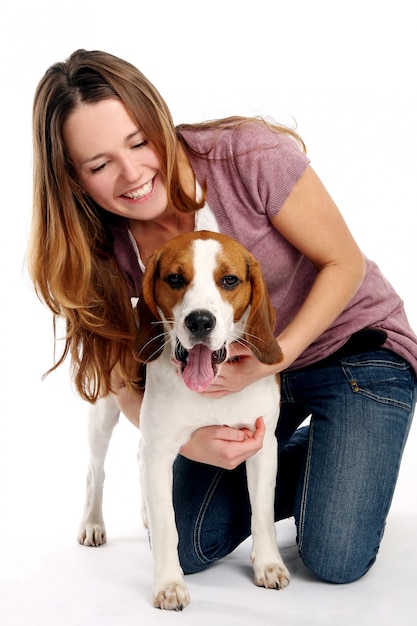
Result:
x=169 y=588
x=102 y=418
x=268 y=566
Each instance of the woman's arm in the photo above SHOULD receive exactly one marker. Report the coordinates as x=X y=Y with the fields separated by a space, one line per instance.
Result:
x=128 y=403
x=311 y=222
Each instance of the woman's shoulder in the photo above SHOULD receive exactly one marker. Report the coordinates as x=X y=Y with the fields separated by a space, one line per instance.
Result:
x=234 y=136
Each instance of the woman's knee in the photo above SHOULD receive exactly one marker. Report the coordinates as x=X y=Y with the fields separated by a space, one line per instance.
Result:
x=196 y=556
x=212 y=513
x=341 y=564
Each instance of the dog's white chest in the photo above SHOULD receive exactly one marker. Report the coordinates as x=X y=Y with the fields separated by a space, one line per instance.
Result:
x=169 y=406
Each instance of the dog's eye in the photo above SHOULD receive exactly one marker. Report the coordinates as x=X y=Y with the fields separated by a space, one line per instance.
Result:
x=229 y=282
x=176 y=281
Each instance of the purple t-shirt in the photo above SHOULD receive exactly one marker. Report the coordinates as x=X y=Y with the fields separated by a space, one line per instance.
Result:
x=249 y=171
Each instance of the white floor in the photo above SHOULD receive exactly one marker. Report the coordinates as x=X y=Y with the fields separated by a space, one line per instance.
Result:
x=47 y=579
x=57 y=583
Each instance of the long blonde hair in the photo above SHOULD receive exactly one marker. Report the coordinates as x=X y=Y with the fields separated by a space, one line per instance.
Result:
x=70 y=256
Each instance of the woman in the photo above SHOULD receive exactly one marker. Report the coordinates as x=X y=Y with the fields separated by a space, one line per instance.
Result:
x=114 y=180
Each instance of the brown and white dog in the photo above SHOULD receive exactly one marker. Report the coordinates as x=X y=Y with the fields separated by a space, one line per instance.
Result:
x=201 y=292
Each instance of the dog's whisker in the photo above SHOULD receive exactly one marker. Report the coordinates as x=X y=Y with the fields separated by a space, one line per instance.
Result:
x=258 y=339
x=148 y=343
x=243 y=341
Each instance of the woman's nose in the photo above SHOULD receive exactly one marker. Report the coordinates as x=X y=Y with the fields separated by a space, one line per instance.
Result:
x=130 y=169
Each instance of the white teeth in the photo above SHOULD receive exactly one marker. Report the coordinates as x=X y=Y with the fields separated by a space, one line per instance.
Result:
x=140 y=193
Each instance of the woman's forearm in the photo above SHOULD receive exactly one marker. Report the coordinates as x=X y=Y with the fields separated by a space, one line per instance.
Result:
x=332 y=290
x=129 y=404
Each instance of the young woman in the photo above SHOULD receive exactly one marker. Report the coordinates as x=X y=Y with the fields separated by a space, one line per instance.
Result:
x=114 y=180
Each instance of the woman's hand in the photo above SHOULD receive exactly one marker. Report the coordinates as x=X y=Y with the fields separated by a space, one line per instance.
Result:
x=240 y=370
x=223 y=446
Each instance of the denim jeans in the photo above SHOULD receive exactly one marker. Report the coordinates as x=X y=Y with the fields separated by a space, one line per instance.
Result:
x=336 y=476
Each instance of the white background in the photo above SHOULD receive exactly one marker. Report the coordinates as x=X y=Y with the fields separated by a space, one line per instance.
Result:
x=345 y=71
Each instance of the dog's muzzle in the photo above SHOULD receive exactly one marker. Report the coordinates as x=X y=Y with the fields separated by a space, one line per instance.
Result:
x=199 y=364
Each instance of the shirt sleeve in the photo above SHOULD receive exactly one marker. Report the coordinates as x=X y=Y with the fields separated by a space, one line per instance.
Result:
x=268 y=164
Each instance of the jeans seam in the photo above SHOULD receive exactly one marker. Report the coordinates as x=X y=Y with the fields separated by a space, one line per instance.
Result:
x=286 y=393
x=304 y=495
x=200 y=517
x=402 y=365
x=380 y=399
x=348 y=370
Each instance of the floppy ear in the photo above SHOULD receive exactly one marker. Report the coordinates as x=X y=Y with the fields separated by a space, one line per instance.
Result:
x=150 y=337
x=261 y=320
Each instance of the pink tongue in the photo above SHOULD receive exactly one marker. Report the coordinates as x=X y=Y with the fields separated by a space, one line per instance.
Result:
x=198 y=373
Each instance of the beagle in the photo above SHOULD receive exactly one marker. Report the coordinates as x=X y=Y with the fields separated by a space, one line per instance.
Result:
x=201 y=292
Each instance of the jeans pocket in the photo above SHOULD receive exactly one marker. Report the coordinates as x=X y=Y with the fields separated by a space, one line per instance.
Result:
x=382 y=376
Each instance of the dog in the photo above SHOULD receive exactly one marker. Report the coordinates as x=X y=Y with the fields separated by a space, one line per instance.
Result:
x=201 y=292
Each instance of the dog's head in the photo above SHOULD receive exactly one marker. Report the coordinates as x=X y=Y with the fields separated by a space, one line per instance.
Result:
x=202 y=291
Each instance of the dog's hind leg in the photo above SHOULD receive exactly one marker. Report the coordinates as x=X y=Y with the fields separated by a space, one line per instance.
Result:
x=268 y=566
x=102 y=419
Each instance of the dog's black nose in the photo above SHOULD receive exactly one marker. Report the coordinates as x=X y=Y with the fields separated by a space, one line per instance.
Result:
x=200 y=323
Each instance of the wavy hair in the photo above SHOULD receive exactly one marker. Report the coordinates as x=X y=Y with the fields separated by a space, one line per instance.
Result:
x=70 y=255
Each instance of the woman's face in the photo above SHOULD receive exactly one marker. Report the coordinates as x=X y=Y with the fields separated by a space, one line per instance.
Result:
x=114 y=162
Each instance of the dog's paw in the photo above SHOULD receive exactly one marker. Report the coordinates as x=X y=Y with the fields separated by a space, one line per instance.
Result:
x=173 y=597
x=272 y=576
x=91 y=534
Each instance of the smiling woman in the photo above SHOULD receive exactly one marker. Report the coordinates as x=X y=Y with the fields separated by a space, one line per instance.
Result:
x=114 y=181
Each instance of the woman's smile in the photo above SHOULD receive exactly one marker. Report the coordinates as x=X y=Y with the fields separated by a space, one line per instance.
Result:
x=141 y=193
x=114 y=162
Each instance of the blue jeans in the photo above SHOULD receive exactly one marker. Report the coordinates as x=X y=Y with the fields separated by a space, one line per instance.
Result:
x=336 y=476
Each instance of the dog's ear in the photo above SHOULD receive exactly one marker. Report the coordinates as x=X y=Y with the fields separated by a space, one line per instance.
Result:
x=261 y=320
x=150 y=337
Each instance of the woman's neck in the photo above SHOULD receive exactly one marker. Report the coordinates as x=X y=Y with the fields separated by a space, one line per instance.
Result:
x=153 y=234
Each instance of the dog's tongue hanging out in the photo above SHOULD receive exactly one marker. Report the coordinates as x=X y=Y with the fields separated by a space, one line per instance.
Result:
x=199 y=373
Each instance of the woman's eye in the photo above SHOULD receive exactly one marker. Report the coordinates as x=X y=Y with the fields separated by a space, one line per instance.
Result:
x=99 y=168
x=142 y=144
